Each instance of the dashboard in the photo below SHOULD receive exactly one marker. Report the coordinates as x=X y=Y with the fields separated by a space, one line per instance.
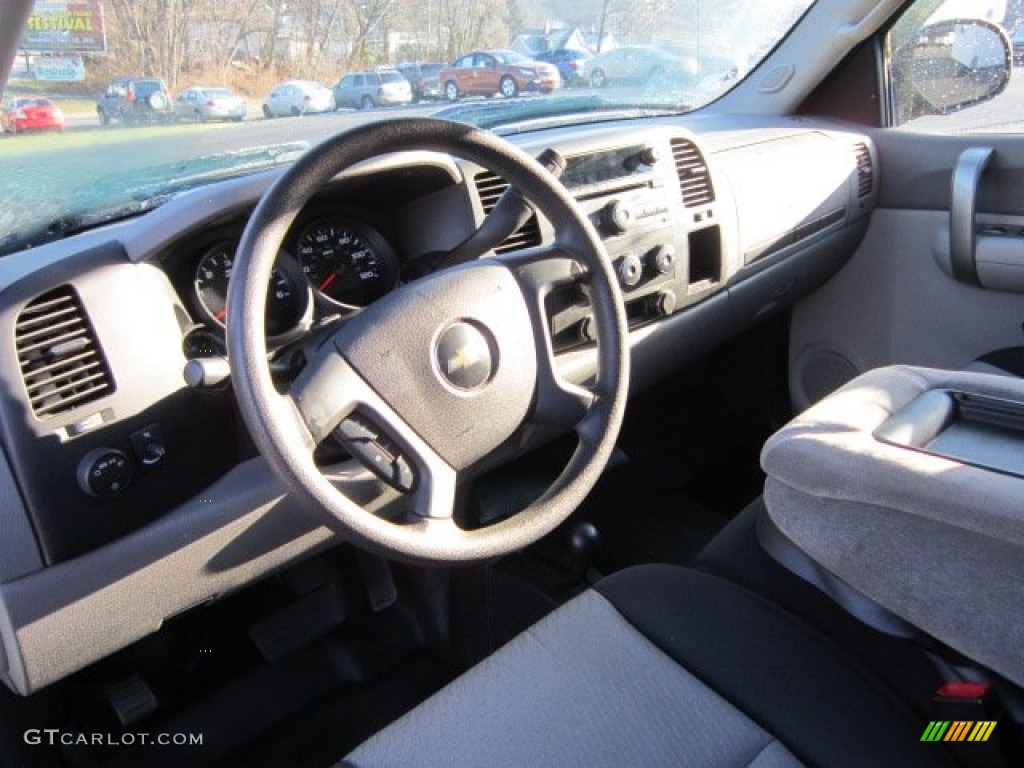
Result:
x=127 y=474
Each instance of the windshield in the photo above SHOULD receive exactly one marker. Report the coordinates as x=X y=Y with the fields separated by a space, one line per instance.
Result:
x=126 y=142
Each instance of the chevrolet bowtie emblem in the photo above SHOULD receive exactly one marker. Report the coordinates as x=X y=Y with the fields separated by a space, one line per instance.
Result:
x=463 y=356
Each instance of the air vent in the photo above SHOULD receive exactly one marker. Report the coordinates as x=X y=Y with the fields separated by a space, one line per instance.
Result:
x=61 y=362
x=694 y=177
x=490 y=186
x=865 y=170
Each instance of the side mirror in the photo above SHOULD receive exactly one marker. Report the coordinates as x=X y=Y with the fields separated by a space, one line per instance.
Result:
x=958 y=63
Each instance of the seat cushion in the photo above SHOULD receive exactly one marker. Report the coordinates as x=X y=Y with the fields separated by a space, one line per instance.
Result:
x=658 y=666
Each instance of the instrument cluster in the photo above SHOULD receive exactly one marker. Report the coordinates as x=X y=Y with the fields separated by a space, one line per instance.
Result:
x=331 y=263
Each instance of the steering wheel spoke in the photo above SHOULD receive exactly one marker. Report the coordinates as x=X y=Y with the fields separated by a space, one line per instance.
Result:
x=543 y=268
x=559 y=403
x=332 y=399
x=326 y=392
x=434 y=496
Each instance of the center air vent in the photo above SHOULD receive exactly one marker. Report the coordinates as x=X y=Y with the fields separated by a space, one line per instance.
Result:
x=490 y=186
x=62 y=364
x=865 y=169
x=694 y=177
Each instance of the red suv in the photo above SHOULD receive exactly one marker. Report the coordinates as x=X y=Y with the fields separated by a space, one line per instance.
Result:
x=504 y=72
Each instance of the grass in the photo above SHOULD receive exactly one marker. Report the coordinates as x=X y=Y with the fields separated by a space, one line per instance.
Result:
x=76 y=106
x=88 y=140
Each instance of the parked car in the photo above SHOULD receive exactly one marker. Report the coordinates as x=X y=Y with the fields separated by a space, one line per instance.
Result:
x=200 y=104
x=298 y=97
x=489 y=72
x=135 y=100
x=648 y=65
x=366 y=90
x=572 y=64
x=423 y=78
x=32 y=113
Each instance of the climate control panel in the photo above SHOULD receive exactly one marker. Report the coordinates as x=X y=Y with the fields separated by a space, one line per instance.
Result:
x=649 y=233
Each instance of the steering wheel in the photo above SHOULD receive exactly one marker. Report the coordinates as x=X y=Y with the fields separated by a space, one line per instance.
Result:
x=439 y=373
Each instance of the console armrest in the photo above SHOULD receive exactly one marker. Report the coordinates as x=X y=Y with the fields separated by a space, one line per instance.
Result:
x=874 y=486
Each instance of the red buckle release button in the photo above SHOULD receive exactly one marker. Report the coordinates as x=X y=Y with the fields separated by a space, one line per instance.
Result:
x=964 y=690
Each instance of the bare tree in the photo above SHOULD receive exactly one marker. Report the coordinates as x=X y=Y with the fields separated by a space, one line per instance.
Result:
x=154 y=32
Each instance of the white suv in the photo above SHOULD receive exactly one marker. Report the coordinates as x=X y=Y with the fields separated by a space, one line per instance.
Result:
x=366 y=90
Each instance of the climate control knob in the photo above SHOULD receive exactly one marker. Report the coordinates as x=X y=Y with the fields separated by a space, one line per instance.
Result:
x=663 y=259
x=663 y=303
x=630 y=270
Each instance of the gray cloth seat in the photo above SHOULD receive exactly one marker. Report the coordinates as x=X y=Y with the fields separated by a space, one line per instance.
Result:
x=660 y=666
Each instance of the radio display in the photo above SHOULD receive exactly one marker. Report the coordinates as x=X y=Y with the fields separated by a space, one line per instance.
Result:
x=584 y=170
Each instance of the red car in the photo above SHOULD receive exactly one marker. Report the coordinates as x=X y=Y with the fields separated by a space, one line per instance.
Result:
x=31 y=114
x=490 y=72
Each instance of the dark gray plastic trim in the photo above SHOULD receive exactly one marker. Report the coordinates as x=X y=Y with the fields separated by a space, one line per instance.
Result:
x=62 y=618
x=197 y=206
x=19 y=552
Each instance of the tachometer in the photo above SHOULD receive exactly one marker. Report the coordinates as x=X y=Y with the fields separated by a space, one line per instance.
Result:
x=287 y=295
x=347 y=262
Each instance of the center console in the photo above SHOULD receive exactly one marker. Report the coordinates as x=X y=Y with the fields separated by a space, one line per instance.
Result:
x=905 y=486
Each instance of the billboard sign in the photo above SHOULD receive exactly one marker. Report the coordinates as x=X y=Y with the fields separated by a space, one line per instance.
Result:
x=65 y=25
x=69 y=69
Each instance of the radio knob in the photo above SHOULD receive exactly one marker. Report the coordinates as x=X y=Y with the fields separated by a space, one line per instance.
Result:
x=630 y=270
x=649 y=155
x=663 y=259
x=617 y=217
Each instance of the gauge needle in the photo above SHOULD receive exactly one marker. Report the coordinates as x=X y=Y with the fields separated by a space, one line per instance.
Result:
x=221 y=315
x=327 y=281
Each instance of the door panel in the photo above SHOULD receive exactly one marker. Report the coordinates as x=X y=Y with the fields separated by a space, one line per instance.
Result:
x=893 y=302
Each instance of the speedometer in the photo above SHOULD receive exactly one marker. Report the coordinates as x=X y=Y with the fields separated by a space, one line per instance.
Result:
x=288 y=300
x=346 y=262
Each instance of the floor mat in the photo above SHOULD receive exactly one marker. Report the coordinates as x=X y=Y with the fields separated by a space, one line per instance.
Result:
x=642 y=520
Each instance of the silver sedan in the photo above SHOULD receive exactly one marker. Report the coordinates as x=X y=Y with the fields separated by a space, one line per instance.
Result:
x=201 y=104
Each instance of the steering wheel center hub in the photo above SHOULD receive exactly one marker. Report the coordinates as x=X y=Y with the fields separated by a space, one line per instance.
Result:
x=464 y=357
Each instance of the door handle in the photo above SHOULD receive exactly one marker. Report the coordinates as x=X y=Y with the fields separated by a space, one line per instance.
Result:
x=966 y=177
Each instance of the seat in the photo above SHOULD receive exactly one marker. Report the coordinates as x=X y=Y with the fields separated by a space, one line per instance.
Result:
x=660 y=665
